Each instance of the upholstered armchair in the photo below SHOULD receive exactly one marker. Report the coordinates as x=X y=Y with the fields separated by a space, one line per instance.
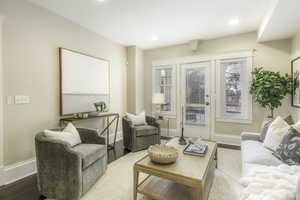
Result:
x=140 y=137
x=65 y=172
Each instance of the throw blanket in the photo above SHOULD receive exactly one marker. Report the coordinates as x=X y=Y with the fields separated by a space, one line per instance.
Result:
x=271 y=183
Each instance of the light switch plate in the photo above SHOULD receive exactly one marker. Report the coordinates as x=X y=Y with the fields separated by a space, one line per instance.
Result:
x=21 y=99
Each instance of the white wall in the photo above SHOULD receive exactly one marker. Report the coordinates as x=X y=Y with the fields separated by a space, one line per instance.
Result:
x=31 y=37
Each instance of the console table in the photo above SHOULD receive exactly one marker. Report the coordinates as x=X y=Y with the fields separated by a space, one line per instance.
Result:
x=110 y=119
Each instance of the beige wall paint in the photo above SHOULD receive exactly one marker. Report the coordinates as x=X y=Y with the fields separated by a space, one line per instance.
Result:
x=295 y=53
x=32 y=36
x=139 y=73
x=270 y=55
x=131 y=97
x=135 y=79
x=296 y=46
x=1 y=98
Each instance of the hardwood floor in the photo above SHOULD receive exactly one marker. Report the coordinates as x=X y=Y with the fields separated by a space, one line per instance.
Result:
x=26 y=189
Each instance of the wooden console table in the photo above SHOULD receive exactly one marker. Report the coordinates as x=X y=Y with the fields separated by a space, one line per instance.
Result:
x=109 y=122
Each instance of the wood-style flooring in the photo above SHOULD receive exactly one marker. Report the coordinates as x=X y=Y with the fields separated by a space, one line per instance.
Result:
x=26 y=189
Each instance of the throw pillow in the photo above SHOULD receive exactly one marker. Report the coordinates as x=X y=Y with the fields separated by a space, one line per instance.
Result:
x=69 y=135
x=70 y=128
x=276 y=131
x=139 y=119
x=289 y=149
x=267 y=122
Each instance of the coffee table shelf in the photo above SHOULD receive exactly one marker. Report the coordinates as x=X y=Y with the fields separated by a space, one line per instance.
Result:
x=164 y=189
x=190 y=178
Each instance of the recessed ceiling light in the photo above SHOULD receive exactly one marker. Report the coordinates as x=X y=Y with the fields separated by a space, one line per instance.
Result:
x=234 y=22
x=154 y=38
x=100 y=1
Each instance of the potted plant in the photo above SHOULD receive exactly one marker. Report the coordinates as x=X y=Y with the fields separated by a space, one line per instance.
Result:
x=269 y=88
x=100 y=106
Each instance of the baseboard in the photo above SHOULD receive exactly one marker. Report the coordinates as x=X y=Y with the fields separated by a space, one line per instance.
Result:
x=227 y=139
x=2 y=181
x=20 y=170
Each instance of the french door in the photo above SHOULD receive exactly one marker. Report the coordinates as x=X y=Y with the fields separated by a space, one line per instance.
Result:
x=195 y=99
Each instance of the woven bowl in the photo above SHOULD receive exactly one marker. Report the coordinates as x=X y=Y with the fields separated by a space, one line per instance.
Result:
x=162 y=154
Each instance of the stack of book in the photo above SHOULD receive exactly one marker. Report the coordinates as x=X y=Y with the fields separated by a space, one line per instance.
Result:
x=195 y=149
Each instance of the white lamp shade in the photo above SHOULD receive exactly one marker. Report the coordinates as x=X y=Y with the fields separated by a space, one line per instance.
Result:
x=158 y=98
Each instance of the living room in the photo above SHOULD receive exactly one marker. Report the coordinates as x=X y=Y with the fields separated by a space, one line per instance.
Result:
x=189 y=72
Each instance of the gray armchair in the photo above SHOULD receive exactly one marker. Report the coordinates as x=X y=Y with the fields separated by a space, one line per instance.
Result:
x=136 y=138
x=65 y=172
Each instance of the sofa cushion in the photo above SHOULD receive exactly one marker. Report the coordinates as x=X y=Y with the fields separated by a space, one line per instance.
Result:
x=90 y=153
x=267 y=122
x=289 y=149
x=250 y=136
x=145 y=130
x=253 y=152
x=277 y=130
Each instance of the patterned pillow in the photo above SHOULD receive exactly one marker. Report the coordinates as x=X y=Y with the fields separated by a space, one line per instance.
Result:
x=289 y=149
x=267 y=122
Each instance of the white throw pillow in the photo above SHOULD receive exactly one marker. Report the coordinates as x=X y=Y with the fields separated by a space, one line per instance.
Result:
x=69 y=135
x=139 y=119
x=277 y=130
x=296 y=126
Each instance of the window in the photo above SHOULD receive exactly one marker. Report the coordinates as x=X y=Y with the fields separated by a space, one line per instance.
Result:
x=195 y=95
x=164 y=82
x=233 y=99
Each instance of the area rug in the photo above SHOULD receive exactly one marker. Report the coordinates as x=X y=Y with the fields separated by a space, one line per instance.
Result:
x=117 y=182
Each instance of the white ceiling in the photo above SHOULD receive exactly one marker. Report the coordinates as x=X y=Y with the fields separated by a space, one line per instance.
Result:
x=282 y=21
x=139 y=22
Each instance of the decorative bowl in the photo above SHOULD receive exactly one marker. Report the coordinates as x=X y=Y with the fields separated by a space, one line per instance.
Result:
x=162 y=154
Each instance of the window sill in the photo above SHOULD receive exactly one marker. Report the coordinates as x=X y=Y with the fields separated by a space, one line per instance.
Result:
x=239 y=121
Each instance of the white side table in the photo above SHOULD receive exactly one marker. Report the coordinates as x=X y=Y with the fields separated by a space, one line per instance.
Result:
x=163 y=118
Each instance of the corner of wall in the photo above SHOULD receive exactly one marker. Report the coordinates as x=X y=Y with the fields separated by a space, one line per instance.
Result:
x=1 y=102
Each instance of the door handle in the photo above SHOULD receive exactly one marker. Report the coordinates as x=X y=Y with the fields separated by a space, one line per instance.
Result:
x=207 y=103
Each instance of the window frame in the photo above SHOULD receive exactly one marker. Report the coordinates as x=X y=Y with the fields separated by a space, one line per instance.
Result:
x=173 y=87
x=246 y=110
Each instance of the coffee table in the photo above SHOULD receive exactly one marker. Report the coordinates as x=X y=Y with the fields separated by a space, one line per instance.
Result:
x=189 y=178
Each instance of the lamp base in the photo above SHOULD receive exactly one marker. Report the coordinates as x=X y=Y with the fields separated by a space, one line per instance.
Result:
x=182 y=141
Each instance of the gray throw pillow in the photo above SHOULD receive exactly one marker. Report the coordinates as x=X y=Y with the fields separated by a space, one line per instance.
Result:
x=289 y=149
x=267 y=122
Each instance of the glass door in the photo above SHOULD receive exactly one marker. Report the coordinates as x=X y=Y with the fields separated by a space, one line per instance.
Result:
x=195 y=99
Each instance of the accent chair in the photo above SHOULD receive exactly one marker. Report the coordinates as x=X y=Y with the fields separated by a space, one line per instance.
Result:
x=65 y=172
x=140 y=137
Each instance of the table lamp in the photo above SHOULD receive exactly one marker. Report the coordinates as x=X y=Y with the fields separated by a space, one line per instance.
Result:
x=158 y=99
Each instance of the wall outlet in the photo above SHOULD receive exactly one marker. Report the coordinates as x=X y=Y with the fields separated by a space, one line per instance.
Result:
x=21 y=99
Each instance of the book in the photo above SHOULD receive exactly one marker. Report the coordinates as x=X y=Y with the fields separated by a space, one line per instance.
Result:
x=195 y=149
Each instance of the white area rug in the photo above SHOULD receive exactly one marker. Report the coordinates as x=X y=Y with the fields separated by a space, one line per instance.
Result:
x=116 y=184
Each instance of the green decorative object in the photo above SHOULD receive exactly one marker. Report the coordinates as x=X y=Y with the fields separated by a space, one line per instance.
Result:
x=269 y=88
x=100 y=106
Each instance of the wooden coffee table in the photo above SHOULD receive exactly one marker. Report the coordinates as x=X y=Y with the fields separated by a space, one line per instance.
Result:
x=189 y=178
